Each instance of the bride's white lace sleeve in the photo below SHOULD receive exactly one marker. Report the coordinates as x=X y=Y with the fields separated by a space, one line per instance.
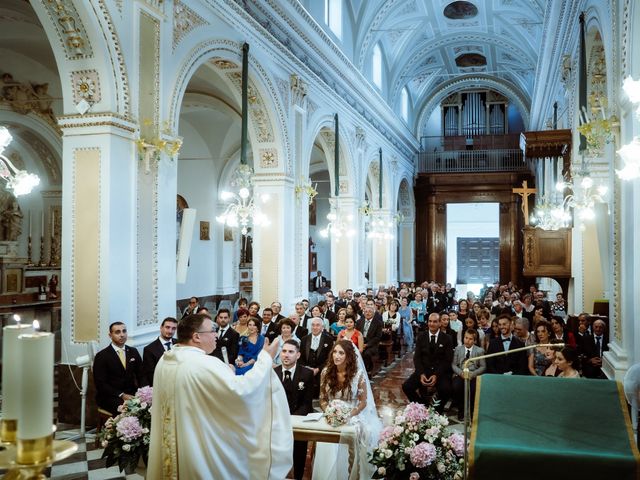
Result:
x=324 y=394
x=361 y=394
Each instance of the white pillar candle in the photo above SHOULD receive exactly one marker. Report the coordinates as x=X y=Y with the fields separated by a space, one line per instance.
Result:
x=36 y=388
x=11 y=370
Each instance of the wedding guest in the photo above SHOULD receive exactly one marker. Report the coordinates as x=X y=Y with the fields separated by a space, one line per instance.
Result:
x=446 y=329
x=192 y=307
x=560 y=332
x=566 y=361
x=407 y=322
x=494 y=332
x=250 y=347
x=540 y=358
x=463 y=352
x=418 y=308
x=463 y=309
x=286 y=334
x=314 y=350
x=228 y=338
x=339 y=325
x=515 y=363
x=454 y=322
x=242 y=326
x=371 y=329
x=432 y=360
x=152 y=352
x=471 y=322
x=594 y=346
x=351 y=333
x=269 y=328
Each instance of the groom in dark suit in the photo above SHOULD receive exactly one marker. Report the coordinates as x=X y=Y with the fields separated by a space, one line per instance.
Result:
x=117 y=370
x=227 y=337
x=155 y=350
x=298 y=385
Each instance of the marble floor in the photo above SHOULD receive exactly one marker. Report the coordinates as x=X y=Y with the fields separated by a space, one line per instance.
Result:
x=87 y=464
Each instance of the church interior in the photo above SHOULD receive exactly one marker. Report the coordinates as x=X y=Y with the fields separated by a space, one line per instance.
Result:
x=159 y=150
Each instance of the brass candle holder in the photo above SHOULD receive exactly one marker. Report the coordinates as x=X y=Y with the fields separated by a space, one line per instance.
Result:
x=27 y=459
x=8 y=430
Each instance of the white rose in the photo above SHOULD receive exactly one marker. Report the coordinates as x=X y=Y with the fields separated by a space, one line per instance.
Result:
x=416 y=437
x=104 y=444
x=441 y=467
x=126 y=447
x=388 y=453
x=382 y=470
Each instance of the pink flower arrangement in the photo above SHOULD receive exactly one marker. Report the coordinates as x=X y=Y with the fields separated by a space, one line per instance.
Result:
x=422 y=454
x=129 y=428
x=419 y=445
x=125 y=438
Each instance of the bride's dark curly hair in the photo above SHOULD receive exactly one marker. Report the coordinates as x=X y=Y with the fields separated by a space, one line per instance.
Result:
x=330 y=382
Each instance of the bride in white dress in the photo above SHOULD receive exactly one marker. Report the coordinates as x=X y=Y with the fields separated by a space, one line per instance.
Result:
x=345 y=378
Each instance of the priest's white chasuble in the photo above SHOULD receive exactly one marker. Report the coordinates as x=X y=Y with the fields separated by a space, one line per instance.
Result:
x=208 y=423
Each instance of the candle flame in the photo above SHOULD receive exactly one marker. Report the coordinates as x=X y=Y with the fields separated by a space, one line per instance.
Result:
x=16 y=317
x=36 y=325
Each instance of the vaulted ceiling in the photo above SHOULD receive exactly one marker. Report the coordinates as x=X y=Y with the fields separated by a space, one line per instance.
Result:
x=428 y=43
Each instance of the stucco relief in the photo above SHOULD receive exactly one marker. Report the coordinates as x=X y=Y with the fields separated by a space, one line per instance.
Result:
x=184 y=21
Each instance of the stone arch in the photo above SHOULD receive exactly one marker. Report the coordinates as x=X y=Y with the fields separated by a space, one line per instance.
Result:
x=78 y=32
x=268 y=135
x=372 y=178
x=513 y=93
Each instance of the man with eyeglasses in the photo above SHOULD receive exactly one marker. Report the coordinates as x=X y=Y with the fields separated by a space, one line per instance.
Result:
x=192 y=307
x=202 y=402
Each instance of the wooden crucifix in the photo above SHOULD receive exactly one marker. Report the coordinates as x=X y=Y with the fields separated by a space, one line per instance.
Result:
x=524 y=192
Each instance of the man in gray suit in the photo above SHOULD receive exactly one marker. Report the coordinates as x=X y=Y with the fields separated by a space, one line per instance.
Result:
x=371 y=329
x=467 y=350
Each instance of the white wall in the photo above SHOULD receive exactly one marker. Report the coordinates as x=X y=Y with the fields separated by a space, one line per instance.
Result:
x=465 y=220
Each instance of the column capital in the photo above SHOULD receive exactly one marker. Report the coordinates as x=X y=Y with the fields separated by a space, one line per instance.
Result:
x=98 y=123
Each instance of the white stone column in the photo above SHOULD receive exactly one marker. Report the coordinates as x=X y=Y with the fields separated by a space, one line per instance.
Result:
x=273 y=244
x=99 y=270
x=406 y=246
x=345 y=250
x=382 y=255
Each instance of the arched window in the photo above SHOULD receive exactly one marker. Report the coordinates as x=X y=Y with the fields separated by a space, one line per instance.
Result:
x=404 y=104
x=333 y=16
x=376 y=66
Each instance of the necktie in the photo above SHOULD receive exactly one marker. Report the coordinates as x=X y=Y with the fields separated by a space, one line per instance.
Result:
x=121 y=356
x=508 y=339
x=168 y=345
x=315 y=343
x=599 y=346
x=287 y=376
x=366 y=327
x=432 y=343
x=468 y=354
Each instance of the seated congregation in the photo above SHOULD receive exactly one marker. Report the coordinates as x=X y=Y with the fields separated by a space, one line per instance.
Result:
x=330 y=350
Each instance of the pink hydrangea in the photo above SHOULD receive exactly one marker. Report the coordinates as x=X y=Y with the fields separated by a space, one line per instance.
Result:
x=416 y=413
x=145 y=394
x=423 y=454
x=456 y=441
x=386 y=433
x=129 y=428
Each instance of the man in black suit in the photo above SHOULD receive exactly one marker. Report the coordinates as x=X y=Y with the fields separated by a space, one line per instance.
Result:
x=371 y=329
x=227 y=337
x=192 y=307
x=593 y=347
x=320 y=283
x=298 y=385
x=155 y=350
x=269 y=328
x=299 y=331
x=432 y=359
x=117 y=370
x=276 y=308
x=314 y=351
x=514 y=363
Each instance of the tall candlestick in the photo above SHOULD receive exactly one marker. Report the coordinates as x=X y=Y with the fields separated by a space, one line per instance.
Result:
x=29 y=223
x=11 y=377
x=42 y=224
x=36 y=386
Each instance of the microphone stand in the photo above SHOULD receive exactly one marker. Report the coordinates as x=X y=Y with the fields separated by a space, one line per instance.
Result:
x=467 y=390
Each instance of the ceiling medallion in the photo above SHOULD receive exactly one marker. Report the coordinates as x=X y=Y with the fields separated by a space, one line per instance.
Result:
x=460 y=10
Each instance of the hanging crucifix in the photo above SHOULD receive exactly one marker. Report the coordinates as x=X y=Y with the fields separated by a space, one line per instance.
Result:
x=524 y=192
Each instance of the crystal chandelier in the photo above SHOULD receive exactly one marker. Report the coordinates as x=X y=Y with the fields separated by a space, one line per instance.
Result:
x=630 y=153
x=339 y=226
x=242 y=211
x=19 y=182
x=549 y=215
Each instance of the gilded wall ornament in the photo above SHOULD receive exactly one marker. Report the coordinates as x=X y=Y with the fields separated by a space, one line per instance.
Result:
x=69 y=27
x=86 y=86
x=184 y=21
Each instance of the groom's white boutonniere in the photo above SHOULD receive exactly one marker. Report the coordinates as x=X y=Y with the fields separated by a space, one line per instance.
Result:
x=301 y=386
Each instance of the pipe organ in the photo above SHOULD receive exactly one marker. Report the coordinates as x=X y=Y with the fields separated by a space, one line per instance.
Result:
x=478 y=112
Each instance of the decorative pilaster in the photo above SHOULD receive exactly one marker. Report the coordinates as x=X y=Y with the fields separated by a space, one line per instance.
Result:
x=345 y=250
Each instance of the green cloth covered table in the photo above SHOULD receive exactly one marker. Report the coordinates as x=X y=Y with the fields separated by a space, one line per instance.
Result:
x=547 y=428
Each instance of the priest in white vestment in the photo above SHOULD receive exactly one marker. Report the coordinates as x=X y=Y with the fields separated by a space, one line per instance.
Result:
x=208 y=423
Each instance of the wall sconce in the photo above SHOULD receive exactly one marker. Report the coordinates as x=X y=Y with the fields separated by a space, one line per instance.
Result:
x=305 y=187
x=151 y=148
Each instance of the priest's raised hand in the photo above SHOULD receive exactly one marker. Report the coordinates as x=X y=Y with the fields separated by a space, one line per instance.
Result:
x=201 y=408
